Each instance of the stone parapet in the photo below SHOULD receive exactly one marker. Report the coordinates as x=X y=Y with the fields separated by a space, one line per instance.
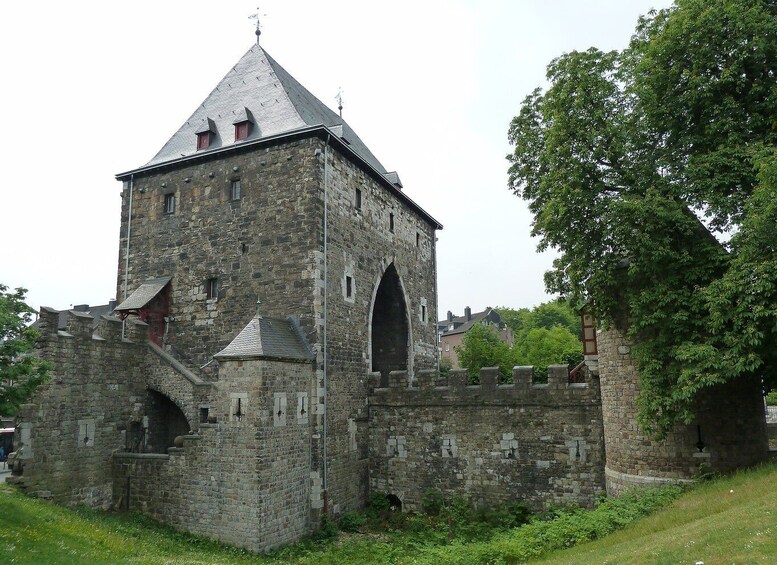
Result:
x=430 y=385
x=66 y=435
x=495 y=443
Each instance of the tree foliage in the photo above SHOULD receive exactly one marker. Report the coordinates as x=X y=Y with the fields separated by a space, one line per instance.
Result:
x=482 y=347
x=545 y=335
x=546 y=315
x=636 y=165
x=20 y=372
x=541 y=347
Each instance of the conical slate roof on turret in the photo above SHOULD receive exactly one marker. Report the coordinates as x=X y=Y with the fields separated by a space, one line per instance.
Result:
x=259 y=87
x=269 y=338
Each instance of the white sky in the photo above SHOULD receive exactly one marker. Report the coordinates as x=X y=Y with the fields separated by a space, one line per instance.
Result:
x=91 y=89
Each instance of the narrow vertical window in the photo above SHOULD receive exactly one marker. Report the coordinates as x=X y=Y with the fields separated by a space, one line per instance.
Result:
x=234 y=190
x=348 y=287
x=423 y=313
x=168 y=204
x=358 y=199
x=391 y=222
x=238 y=409
x=417 y=239
x=212 y=288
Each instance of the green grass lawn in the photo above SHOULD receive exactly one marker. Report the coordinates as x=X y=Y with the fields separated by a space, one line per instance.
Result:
x=732 y=520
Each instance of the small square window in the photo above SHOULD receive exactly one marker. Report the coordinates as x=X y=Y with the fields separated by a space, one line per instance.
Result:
x=358 y=199
x=234 y=190
x=241 y=130
x=348 y=287
x=212 y=288
x=169 y=203
x=391 y=222
x=203 y=140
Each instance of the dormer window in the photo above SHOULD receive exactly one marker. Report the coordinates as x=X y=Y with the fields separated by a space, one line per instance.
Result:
x=241 y=130
x=205 y=134
x=243 y=123
x=203 y=140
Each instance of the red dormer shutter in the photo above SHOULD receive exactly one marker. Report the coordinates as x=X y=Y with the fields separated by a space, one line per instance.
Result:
x=241 y=130
x=203 y=140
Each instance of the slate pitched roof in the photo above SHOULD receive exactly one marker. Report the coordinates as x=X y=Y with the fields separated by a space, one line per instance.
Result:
x=279 y=106
x=461 y=324
x=277 y=103
x=144 y=294
x=269 y=338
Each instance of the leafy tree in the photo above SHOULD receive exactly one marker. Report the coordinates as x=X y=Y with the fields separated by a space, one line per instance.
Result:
x=546 y=315
x=542 y=347
x=482 y=347
x=20 y=372
x=516 y=320
x=633 y=162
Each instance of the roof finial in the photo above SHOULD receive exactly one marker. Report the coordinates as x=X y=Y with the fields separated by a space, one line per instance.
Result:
x=339 y=99
x=258 y=311
x=258 y=31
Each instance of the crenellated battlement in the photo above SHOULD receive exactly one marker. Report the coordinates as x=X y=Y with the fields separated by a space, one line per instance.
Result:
x=80 y=325
x=429 y=384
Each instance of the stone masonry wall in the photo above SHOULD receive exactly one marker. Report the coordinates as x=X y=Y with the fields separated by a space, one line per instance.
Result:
x=362 y=246
x=244 y=480
x=539 y=444
x=66 y=436
x=269 y=244
x=730 y=423
x=266 y=244
x=169 y=377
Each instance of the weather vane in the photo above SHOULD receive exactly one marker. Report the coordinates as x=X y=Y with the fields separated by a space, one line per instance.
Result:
x=339 y=99
x=255 y=16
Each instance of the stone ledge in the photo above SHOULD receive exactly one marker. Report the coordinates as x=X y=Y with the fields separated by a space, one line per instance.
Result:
x=163 y=456
x=644 y=480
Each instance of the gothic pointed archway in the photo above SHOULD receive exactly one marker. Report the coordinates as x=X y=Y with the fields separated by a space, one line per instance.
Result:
x=389 y=326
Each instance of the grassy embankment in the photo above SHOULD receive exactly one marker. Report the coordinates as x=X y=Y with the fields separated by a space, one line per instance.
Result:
x=732 y=520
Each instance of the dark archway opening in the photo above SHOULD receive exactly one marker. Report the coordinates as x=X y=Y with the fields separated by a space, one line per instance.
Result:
x=165 y=422
x=389 y=327
x=395 y=505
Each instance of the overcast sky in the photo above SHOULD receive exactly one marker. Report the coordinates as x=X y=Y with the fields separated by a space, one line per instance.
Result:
x=91 y=89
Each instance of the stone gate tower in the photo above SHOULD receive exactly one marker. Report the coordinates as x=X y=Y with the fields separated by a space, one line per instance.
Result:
x=266 y=193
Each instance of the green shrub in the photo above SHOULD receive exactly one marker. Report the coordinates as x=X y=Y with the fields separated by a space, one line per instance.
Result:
x=351 y=521
x=771 y=398
x=378 y=505
x=560 y=528
x=433 y=502
x=327 y=531
x=510 y=515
